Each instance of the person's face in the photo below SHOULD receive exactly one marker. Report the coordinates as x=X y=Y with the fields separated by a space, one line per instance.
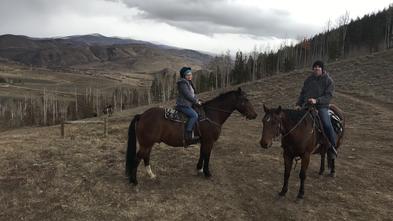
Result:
x=317 y=70
x=189 y=77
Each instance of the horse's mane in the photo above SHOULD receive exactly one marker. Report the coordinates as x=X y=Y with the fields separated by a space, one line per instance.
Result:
x=220 y=96
x=294 y=115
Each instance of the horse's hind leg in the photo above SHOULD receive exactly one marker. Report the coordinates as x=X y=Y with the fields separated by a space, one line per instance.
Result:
x=288 y=167
x=146 y=160
x=200 y=161
x=141 y=154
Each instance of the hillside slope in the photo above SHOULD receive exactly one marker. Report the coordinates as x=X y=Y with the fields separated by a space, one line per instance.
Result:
x=82 y=177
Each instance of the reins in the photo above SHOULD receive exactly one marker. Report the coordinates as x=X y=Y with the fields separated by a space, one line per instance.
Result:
x=294 y=127
x=218 y=109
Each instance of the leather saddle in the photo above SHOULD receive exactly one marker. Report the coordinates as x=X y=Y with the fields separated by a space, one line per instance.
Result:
x=337 y=122
x=177 y=116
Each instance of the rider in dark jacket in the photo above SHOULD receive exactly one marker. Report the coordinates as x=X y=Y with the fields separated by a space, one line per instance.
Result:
x=318 y=90
x=185 y=99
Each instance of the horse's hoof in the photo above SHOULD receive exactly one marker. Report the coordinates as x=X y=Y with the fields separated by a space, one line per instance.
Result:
x=333 y=175
x=207 y=174
x=200 y=171
x=282 y=194
x=299 y=200
x=133 y=181
x=300 y=196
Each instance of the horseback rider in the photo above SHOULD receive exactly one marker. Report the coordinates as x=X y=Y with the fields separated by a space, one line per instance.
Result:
x=318 y=90
x=185 y=100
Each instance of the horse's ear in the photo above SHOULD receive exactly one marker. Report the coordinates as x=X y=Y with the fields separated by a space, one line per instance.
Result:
x=265 y=108
x=239 y=89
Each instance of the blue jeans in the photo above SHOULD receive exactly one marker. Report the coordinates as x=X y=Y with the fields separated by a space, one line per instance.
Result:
x=327 y=125
x=191 y=114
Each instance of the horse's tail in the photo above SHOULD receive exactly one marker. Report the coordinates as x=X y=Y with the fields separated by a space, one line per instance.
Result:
x=340 y=114
x=131 y=145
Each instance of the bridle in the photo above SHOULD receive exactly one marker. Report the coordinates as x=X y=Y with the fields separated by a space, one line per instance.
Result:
x=281 y=130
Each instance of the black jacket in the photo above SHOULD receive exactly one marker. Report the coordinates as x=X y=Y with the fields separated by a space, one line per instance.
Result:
x=318 y=87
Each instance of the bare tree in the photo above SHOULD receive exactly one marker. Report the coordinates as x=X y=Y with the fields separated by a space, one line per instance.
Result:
x=388 y=29
x=325 y=46
x=342 y=22
x=254 y=56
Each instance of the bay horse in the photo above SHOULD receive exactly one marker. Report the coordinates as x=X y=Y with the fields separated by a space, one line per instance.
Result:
x=299 y=138
x=152 y=127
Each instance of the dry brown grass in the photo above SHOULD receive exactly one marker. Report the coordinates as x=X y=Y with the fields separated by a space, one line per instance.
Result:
x=81 y=177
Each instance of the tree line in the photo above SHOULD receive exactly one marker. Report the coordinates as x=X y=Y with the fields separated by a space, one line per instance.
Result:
x=371 y=33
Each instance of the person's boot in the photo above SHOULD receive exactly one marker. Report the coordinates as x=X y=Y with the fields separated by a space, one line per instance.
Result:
x=189 y=139
x=332 y=153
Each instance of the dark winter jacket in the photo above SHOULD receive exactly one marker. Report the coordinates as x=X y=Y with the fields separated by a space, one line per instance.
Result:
x=186 y=96
x=320 y=88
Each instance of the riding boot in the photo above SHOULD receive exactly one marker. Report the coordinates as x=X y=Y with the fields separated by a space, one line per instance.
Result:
x=332 y=153
x=190 y=139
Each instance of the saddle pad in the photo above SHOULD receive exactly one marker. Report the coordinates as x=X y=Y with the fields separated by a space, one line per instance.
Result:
x=336 y=122
x=177 y=116
x=174 y=115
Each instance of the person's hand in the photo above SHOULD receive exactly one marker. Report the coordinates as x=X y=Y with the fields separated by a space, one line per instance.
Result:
x=312 y=101
x=199 y=103
x=297 y=107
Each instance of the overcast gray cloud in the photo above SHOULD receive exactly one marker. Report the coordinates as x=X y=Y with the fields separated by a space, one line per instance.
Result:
x=219 y=16
x=208 y=25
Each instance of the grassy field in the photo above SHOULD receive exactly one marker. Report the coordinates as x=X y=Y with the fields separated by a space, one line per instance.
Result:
x=81 y=177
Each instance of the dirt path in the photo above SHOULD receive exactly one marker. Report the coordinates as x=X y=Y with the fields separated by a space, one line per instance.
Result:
x=384 y=107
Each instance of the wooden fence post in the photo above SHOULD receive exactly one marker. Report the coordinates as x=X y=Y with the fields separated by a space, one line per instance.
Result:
x=105 y=126
x=62 y=129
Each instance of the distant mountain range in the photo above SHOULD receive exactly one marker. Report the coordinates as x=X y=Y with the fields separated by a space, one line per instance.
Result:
x=96 y=51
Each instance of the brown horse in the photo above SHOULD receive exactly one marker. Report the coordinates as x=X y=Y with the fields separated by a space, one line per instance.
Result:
x=299 y=138
x=108 y=110
x=151 y=127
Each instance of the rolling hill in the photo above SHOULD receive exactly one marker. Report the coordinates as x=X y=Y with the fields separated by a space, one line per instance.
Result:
x=97 y=52
x=82 y=176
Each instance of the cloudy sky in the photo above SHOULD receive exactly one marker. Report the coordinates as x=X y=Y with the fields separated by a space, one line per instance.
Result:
x=207 y=25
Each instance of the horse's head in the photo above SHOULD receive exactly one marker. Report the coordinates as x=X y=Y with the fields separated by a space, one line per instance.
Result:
x=271 y=126
x=244 y=106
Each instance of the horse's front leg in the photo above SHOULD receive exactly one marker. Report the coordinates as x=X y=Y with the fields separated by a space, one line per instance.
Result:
x=200 y=161
x=288 y=167
x=322 y=167
x=206 y=149
x=302 y=174
x=332 y=168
